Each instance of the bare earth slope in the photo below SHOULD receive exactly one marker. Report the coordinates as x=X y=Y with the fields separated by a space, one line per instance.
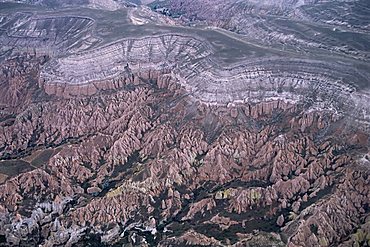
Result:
x=129 y=128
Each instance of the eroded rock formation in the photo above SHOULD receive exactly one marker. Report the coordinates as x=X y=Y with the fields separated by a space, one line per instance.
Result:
x=154 y=141
x=143 y=160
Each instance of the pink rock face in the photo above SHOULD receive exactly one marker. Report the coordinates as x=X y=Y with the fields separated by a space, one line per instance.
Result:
x=121 y=165
x=280 y=220
x=18 y=83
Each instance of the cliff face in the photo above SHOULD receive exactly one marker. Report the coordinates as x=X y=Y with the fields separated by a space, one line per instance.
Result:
x=19 y=78
x=144 y=163
x=180 y=136
x=192 y=63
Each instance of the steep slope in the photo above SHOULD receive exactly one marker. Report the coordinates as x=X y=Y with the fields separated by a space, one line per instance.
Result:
x=153 y=134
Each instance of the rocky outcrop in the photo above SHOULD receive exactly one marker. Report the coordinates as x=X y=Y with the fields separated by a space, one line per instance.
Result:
x=190 y=62
x=146 y=153
x=192 y=238
x=18 y=79
x=48 y=35
x=154 y=141
x=261 y=22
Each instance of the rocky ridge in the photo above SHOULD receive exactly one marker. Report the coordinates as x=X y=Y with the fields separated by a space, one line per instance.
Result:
x=300 y=26
x=147 y=165
x=191 y=63
x=155 y=141
x=49 y=35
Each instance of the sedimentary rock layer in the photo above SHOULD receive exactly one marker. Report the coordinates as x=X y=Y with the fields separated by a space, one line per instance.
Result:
x=302 y=26
x=191 y=62
x=46 y=34
x=148 y=164
x=158 y=141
